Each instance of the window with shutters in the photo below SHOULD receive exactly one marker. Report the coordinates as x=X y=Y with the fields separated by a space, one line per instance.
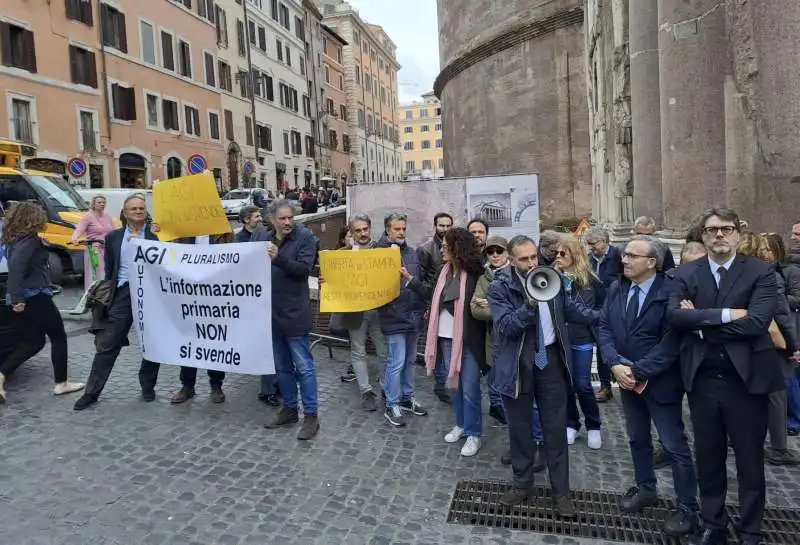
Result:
x=17 y=47
x=346 y=143
x=88 y=130
x=82 y=67
x=147 y=42
x=152 y=110
x=343 y=112
x=309 y=146
x=286 y=149
x=167 y=50
x=288 y=56
x=222 y=27
x=297 y=143
x=299 y=28
x=114 y=33
x=330 y=107
x=191 y=120
x=302 y=66
x=264 y=137
x=284 y=18
x=241 y=42
x=248 y=131
x=228 y=125
x=269 y=91
x=209 y=67
x=184 y=58
x=306 y=106
x=262 y=39
x=169 y=109
x=123 y=102
x=23 y=119
x=274 y=9
x=251 y=32
x=279 y=47
x=333 y=140
x=426 y=144
x=244 y=83
x=225 y=77
x=205 y=9
x=80 y=10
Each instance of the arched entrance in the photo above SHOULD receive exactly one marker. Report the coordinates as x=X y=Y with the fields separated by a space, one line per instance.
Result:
x=174 y=168
x=234 y=156
x=132 y=171
x=46 y=165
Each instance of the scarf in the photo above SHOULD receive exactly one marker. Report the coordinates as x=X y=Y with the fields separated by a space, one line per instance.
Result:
x=431 y=341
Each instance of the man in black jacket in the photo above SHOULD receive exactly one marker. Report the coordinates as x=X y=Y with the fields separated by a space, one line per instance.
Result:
x=645 y=225
x=118 y=319
x=723 y=306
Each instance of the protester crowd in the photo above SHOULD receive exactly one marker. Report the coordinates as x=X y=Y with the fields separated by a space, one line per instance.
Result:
x=720 y=328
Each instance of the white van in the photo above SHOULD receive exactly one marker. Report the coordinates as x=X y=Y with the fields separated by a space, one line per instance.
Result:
x=115 y=198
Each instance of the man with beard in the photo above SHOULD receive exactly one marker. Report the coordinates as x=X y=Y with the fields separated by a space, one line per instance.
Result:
x=479 y=229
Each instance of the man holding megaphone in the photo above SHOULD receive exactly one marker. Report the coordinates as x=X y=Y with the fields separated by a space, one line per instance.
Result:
x=532 y=361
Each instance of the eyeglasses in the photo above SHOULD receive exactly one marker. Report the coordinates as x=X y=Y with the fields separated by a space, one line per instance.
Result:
x=562 y=253
x=628 y=255
x=712 y=230
x=495 y=251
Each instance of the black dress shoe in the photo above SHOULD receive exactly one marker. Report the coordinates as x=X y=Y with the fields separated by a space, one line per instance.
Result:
x=564 y=508
x=709 y=537
x=680 y=523
x=148 y=395
x=515 y=496
x=635 y=500
x=84 y=402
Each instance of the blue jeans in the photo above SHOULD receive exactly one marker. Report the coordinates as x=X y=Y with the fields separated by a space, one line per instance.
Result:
x=467 y=398
x=538 y=434
x=295 y=365
x=793 y=400
x=401 y=353
x=440 y=371
x=582 y=389
x=495 y=397
x=668 y=419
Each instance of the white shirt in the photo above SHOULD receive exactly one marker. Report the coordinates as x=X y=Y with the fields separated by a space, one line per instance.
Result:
x=204 y=240
x=446 y=322
x=546 y=320
x=715 y=267
x=126 y=254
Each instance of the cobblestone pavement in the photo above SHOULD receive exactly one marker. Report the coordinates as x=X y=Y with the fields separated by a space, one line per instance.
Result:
x=129 y=473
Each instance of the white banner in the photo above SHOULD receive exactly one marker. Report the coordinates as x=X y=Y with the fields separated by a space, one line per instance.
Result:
x=204 y=306
x=509 y=204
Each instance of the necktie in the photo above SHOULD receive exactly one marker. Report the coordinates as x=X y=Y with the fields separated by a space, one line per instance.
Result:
x=541 y=350
x=633 y=308
x=721 y=272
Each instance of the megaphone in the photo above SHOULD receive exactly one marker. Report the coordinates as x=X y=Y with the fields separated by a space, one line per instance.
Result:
x=543 y=283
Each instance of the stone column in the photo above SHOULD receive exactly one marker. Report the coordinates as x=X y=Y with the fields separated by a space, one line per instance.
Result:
x=693 y=64
x=645 y=107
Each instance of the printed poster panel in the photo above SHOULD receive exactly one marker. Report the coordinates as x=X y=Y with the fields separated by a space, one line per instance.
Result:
x=509 y=204
x=358 y=280
x=204 y=306
x=189 y=206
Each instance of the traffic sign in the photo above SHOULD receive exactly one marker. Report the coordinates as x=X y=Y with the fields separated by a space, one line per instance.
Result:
x=197 y=163
x=249 y=167
x=76 y=167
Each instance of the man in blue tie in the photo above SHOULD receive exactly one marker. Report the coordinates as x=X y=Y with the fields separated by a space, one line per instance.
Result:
x=642 y=352
x=532 y=352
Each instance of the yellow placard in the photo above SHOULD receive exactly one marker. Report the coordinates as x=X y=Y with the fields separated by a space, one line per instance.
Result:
x=357 y=280
x=188 y=206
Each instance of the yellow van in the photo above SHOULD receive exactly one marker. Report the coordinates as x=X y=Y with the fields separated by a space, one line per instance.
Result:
x=64 y=206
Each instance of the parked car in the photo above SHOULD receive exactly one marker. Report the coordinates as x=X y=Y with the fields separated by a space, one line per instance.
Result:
x=235 y=199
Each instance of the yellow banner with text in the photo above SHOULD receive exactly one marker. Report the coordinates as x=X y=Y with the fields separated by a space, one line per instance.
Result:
x=358 y=280
x=189 y=206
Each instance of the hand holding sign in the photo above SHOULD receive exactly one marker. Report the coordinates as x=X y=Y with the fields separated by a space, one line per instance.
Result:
x=189 y=207
x=357 y=281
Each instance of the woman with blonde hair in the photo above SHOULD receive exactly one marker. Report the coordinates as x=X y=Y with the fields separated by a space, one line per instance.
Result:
x=785 y=337
x=30 y=296
x=580 y=281
x=95 y=224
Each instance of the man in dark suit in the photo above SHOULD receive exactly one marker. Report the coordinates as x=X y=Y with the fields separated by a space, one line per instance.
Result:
x=606 y=261
x=723 y=306
x=118 y=320
x=642 y=352
x=645 y=225
x=532 y=354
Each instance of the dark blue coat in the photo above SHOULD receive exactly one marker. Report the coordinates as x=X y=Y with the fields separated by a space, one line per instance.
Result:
x=652 y=345
x=513 y=318
x=291 y=300
x=404 y=314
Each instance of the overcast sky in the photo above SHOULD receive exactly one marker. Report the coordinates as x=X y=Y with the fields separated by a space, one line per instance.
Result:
x=412 y=25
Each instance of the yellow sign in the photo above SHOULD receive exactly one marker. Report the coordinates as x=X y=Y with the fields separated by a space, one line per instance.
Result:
x=188 y=206
x=357 y=280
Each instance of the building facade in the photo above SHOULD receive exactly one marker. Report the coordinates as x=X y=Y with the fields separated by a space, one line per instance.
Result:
x=370 y=84
x=421 y=137
x=334 y=150
x=140 y=99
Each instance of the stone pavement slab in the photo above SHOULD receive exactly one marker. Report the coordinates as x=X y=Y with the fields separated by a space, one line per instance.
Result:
x=127 y=472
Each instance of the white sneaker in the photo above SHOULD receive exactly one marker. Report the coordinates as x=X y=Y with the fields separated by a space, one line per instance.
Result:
x=594 y=439
x=67 y=387
x=454 y=435
x=471 y=447
x=572 y=433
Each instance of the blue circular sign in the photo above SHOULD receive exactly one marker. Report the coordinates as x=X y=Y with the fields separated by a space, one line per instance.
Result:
x=197 y=163
x=249 y=167
x=76 y=167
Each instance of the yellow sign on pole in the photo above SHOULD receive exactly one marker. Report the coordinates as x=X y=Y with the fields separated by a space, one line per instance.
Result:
x=358 y=280
x=188 y=206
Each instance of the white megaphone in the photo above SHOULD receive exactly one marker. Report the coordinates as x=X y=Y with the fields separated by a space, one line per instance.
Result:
x=543 y=283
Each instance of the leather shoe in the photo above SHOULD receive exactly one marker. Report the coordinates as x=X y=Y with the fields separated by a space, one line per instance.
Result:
x=635 y=500
x=84 y=402
x=709 y=537
x=515 y=496
x=680 y=523
x=182 y=395
x=148 y=395
x=564 y=508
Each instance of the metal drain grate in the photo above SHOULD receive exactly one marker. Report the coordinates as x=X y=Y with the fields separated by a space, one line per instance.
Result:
x=476 y=503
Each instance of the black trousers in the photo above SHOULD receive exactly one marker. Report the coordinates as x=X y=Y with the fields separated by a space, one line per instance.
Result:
x=778 y=420
x=39 y=319
x=189 y=377
x=722 y=408
x=548 y=387
x=109 y=343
